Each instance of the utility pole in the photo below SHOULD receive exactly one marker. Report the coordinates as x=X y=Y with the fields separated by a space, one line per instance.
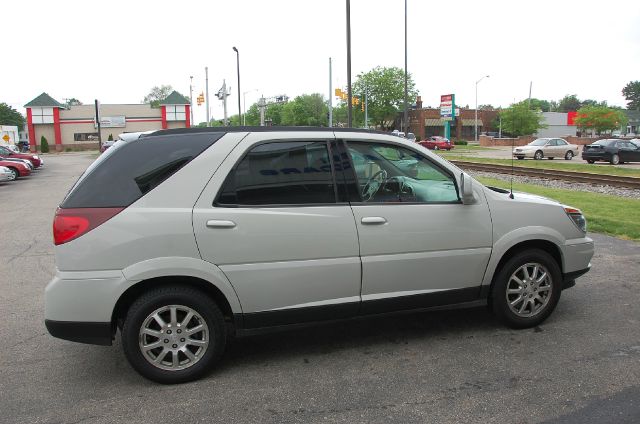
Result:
x=349 y=96
x=238 y=67
x=191 y=99
x=206 y=77
x=97 y=103
x=366 y=107
x=406 y=105
x=330 y=98
x=262 y=104
x=529 y=104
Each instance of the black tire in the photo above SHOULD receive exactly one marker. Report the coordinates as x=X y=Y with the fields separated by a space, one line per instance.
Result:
x=165 y=296
x=550 y=158
x=538 y=155
x=568 y=155
x=591 y=161
x=15 y=173
x=499 y=302
x=520 y=157
x=615 y=159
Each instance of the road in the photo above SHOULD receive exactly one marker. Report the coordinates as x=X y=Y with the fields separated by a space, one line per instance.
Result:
x=582 y=365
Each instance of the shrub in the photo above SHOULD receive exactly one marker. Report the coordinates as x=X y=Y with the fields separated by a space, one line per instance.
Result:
x=460 y=143
x=110 y=138
x=44 y=145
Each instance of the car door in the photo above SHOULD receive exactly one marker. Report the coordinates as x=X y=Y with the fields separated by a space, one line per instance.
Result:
x=270 y=220
x=635 y=152
x=626 y=151
x=419 y=245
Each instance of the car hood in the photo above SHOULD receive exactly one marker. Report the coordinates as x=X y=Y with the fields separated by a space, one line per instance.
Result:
x=525 y=197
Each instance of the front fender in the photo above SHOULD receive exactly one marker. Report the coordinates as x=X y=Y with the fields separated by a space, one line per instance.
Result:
x=516 y=236
x=183 y=266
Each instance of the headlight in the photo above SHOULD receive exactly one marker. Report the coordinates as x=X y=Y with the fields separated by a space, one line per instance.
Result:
x=35 y=156
x=577 y=217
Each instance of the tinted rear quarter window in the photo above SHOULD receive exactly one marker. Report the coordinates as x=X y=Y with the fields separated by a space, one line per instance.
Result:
x=131 y=170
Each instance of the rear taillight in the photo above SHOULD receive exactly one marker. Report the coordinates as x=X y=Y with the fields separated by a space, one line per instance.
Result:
x=69 y=224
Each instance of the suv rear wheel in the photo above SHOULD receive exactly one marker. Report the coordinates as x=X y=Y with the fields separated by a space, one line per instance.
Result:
x=173 y=334
x=527 y=289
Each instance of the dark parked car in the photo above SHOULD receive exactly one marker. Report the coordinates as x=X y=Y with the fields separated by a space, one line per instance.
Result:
x=611 y=150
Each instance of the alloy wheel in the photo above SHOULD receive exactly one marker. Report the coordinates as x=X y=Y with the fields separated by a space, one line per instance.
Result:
x=529 y=290
x=173 y=337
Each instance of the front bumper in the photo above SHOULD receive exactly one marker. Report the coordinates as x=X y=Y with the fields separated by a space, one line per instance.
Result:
x=569 y=278
x=524 y=154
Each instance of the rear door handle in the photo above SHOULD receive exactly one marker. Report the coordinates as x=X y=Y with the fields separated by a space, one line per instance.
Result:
x=220 y=223
x=373 y=220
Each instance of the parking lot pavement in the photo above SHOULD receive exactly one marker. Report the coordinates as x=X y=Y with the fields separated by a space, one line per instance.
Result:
x=582 y=365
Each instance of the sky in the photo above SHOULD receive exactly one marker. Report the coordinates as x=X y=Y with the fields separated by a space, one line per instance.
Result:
x=116 y=51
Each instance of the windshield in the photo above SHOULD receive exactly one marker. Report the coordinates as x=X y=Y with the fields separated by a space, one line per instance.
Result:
x=539 y=142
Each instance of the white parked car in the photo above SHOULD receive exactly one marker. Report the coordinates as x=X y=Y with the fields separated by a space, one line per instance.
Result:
x=229 y=231
x=546 y=148
x=6 y=174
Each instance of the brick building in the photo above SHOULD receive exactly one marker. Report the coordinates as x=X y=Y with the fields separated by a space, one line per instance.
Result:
x=426 y=122
x=75 y=126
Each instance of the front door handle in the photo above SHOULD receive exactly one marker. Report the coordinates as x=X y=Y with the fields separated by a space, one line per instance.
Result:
x=220 y=223
x=373 y=220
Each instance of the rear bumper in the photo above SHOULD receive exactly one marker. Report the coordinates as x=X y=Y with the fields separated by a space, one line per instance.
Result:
x=99 y=333
x=595 y=156
x=569 y=278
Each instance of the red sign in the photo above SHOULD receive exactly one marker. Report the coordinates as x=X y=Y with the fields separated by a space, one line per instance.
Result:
x=446 y=98
x=571 y=116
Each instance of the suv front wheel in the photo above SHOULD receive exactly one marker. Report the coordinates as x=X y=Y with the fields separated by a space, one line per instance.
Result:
x=173 y=334
x=526 y=289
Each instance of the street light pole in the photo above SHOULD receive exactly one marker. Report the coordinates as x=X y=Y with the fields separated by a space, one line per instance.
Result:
x=406 y=106
x=476 y=120
x=349 y=94
x=238 y=66
x=191 y=99
x=206 y=78
x=244 y=105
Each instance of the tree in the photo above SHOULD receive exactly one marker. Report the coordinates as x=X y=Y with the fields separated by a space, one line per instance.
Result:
x=631 y=92
x=600 y=118
x=44 y=145
x=306 y=110
x=385 y=92
x=519 y=120
x=10 y=116
x=569 y=103
x=541 y=105
x=72 y=102
x=157 y=94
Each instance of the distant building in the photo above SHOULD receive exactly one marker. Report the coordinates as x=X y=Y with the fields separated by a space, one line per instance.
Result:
x=75 y=126
x=633 y=126
x=426 y=122
x=559 y=124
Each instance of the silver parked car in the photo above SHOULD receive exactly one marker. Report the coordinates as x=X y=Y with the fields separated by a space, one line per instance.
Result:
x=546 y=148
x=234 y=231
x=6 y=174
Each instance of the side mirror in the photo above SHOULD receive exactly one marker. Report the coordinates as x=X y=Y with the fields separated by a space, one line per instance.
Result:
x=466 y=187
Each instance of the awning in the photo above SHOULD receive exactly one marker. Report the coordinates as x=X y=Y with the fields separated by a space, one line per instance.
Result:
x=433 y=122
x=471 y=122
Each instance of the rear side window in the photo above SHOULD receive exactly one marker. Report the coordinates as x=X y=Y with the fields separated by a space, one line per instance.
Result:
x=127 y=172
x=281 y=173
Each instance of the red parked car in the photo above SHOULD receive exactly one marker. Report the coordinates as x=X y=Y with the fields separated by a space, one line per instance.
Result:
x=17 y=169
x=8 y=153
x=437 y=143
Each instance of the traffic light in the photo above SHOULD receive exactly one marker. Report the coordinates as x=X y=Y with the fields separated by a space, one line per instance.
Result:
x=362 y=106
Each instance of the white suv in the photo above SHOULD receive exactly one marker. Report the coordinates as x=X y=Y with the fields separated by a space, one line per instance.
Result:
x=208 y=233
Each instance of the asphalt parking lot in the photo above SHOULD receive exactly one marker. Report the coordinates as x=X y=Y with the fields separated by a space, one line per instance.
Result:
x=582 y=365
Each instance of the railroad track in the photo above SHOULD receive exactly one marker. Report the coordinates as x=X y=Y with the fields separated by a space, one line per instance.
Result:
x=582 y=177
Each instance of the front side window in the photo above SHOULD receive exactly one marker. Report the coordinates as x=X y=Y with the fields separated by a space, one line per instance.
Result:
x=393 y=174
x=561 y=142
x=281 y=173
